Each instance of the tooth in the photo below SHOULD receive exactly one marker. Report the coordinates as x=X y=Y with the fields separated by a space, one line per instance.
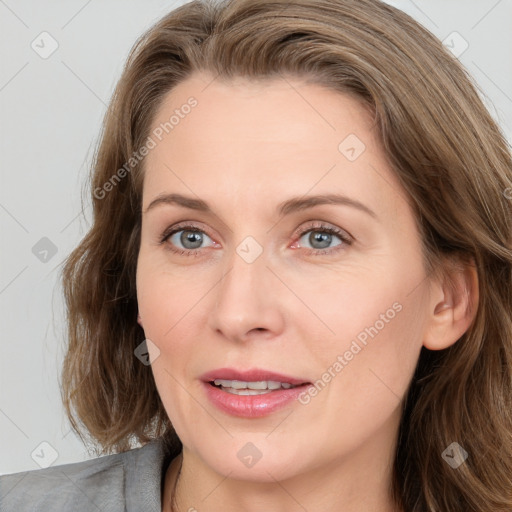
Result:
x=247 y=391
x=262 y=384
x=272 y=384
x=238 y=384
x=221 y=382
x=285 y=385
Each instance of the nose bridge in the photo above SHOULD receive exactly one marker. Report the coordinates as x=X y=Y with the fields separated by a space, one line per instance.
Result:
x=244 y=299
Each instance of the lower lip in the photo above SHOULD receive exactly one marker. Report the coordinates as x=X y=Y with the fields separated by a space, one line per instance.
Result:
x=252 y=406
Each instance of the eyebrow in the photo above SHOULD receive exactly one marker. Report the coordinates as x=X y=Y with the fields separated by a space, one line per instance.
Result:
x=286 y=207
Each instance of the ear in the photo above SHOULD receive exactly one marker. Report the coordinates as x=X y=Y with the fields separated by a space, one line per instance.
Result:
x=453 y=304
x=139 y=320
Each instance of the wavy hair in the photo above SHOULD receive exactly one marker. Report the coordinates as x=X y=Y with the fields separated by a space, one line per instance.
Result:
x=447 y=152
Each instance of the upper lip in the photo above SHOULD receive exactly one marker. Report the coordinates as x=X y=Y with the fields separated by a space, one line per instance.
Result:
x=253 y=375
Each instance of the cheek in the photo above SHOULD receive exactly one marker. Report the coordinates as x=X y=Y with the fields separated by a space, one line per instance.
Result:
x=383 y=353
x=166 y=305
x=170 y=303
x=368 y=346
x=166 y=297
x=363 y=373
x=353 y=304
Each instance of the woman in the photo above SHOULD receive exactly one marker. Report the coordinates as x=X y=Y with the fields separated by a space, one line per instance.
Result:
x=297 y=290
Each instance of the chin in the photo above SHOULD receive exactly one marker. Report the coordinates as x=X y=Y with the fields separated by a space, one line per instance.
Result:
x=254 y=461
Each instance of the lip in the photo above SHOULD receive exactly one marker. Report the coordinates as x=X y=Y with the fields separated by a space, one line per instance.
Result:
x=253 y=375
x=251 y=406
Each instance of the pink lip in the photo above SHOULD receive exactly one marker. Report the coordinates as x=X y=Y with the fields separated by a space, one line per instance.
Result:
x=251 y=406
x=253 y=375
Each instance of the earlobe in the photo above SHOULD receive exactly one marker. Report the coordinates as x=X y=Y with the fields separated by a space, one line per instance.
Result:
x=453 y=306
x=139 y=320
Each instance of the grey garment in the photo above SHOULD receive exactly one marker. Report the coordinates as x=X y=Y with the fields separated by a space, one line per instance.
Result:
x=129 y=481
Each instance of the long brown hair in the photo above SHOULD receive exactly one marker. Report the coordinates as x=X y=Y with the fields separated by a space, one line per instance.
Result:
x=444 y=147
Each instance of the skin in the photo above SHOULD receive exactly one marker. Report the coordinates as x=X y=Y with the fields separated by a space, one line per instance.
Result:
x=245 y=148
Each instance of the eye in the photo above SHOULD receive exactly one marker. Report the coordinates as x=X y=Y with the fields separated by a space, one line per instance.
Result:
x=186 y=239
x=323 y=239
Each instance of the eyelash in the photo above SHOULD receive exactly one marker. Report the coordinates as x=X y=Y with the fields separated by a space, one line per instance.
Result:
x=320 y=227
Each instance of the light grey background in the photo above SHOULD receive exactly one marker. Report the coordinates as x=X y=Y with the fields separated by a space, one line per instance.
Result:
x=51 y=111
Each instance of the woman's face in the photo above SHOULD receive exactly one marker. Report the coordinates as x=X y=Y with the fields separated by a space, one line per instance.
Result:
x=327 y=292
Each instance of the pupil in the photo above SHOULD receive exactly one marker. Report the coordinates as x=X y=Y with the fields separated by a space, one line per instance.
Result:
x=191 y=237
x=323 y=238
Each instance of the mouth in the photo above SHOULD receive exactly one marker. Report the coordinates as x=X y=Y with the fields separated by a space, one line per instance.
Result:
x=251 y=393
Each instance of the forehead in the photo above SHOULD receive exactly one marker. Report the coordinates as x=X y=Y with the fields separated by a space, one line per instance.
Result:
x=282 y=110
x=255 y=138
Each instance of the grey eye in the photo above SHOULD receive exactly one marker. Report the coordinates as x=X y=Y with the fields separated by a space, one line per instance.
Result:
x=189 y=239
x=320 y=239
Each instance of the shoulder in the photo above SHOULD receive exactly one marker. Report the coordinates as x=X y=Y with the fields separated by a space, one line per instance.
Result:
x=111 y=483
x=79 y=486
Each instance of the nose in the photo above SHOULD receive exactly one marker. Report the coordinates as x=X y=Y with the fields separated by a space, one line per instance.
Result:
x=247 y=301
